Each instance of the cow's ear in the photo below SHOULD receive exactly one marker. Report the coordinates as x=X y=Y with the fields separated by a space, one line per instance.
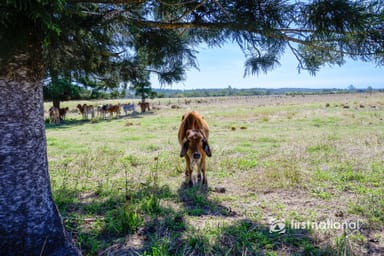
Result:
x=184 y=148
x=206 y=148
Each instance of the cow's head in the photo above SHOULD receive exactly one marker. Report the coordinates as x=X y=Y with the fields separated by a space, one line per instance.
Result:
x=195 y=142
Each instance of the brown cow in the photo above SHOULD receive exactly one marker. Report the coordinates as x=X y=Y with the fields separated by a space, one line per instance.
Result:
x=63 y=112
x=193 y=138
x=54 y=115
x=85 y=110
x=144 y=106
x=114 y=109
x=81 y=109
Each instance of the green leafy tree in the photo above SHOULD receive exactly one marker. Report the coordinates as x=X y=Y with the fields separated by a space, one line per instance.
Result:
x=144 y=90
x=352 y=88
x=60 y=91
x=369 y=89
x=125 y=40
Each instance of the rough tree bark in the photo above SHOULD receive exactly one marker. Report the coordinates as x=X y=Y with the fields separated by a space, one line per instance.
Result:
x=30 y=223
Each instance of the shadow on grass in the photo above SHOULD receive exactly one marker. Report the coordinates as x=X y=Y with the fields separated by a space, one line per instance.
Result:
x=66 y=123
x=170 y=234
x=140 y=222
x=196 y=203
x=77 y=122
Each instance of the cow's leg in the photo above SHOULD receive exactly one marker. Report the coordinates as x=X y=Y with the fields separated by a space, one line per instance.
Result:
x=188 y=172
x=199 y=170
x=204 y=182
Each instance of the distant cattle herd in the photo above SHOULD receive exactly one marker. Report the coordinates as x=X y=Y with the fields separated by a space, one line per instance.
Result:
x=56 y=115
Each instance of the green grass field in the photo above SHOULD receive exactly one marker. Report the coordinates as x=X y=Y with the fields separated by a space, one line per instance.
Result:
x=298 y=161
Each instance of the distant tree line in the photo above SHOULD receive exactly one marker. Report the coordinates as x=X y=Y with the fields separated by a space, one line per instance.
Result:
x=172 y=93
x=64 y=90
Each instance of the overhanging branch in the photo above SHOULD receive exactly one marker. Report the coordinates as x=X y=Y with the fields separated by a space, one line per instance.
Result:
x=108 y=1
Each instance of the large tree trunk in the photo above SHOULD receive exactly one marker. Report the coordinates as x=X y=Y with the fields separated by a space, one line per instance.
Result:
x=30 y=223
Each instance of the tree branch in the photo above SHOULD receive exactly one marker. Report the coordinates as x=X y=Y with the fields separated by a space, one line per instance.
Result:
x=189 y=11
x=108 y=1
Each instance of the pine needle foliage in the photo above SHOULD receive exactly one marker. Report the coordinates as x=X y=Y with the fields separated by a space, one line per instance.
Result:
x=130 y=40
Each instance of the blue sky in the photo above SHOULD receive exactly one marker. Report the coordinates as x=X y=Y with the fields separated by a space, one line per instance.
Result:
x=221 y=67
